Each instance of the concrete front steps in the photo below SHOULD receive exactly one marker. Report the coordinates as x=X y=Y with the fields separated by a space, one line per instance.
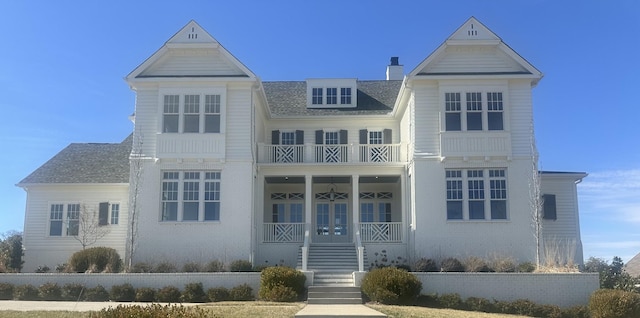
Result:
x=334 y=295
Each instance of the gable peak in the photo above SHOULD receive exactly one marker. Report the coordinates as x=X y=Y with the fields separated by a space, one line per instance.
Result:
x=192 y=33
x=473 y=29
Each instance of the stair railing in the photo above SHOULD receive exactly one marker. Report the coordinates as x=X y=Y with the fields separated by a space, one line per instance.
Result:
x=360 y=249
x=305 y=247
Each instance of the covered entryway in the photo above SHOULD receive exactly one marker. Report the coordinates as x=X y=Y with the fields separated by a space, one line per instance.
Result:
x=331 y=222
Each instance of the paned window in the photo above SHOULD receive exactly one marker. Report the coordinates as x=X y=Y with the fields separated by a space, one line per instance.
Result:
x=495 y=111
x=287 y=207
x=453 y=113
x=375 y=138
x=316 y=97
x=345 y=95
x=331 y=138
x=474 y=111
x=55 y=219
x=366 y=212
x=190 y=196
x=384 y=212
x=73 y=219
x=332 y=95
x=454 y=194
x=115 y=213
x=288 y=138
x=466 y=194
x=171 y=113
x=375 y=207
x=188 y=114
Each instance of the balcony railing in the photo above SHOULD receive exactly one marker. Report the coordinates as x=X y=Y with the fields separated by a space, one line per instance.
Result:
x=331 y=154
x=381 y=232
x=283 y=232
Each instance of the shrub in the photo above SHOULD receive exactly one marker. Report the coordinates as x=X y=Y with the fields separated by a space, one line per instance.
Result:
x=50 y=291
x=25 y=292
x=425 y=265
x=98 y=259
x=151 y=311
x=168 y=294
x=476 y=264
x=62 y=268
x=193 y=293
x=241 y=292
x=72 y=291
x=240 y=266
x=281 y=283
x=479 y=304
x=145 y=294
x=124 y=292
x=390 y=285
x=576 y=312
x=214 y=266
x=609 y=303
x=43 y=269
x=526 y=267
x=142 y=268
x=165 y=267
x=451 y=265
x=97 y=293
x=218 y=294
x=503 y=264
x=6 y=291
x=191 y=267
x=452 y=301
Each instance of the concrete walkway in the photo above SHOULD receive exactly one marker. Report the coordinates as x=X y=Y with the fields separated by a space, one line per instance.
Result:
x=328 y=311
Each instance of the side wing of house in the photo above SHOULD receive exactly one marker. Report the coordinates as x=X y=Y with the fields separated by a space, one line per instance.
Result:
x=78 y=197
x=194 y=125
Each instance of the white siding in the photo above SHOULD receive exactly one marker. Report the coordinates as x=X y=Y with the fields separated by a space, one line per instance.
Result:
x=198 y=62
x=239 y=126
x=42 y=249
x=473 y=59
x=427 y=118
x=147 y=116
x=521 y=120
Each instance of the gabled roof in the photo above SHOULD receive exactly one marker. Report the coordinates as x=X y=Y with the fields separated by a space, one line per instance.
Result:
x=473 y=50
x=191 y=53
x=633 y=266
x=289 y=99
x=85 y=163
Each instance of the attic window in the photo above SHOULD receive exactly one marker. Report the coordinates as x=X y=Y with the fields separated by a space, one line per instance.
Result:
x=331 y=93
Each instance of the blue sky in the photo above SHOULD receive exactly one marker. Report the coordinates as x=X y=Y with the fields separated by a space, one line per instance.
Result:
x=62 y=66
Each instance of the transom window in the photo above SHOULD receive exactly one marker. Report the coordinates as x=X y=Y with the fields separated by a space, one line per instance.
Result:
x=190 y=196
x=466 y=194
x=479 y=113
x=191 y=113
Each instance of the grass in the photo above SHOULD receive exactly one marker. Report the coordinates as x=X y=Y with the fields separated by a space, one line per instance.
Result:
x=278 y=310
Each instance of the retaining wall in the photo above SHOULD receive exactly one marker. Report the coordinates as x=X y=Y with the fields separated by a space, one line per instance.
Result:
x=561 y=289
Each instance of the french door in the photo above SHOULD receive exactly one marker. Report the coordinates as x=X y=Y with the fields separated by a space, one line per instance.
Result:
x=331 y=222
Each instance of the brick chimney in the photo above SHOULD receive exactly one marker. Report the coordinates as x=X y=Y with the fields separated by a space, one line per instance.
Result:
x=395 y=71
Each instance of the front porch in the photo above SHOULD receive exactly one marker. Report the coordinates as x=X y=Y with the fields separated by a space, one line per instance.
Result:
x=320 y=210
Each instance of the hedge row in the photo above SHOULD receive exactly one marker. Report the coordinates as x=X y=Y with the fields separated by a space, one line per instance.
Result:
x=192 y=292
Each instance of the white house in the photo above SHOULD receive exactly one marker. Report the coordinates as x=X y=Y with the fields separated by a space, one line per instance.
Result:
x=326 y=173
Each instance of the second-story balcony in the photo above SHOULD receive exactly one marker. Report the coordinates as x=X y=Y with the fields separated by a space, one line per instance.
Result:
x=332 y=154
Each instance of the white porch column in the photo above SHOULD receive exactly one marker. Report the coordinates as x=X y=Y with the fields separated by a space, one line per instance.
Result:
x=308 y=200
x=355 y=199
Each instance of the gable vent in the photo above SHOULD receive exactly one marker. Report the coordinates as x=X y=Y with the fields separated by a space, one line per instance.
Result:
x=193 y=35
x=472 y=31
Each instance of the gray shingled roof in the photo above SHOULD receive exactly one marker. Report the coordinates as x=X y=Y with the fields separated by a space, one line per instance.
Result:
x=86 y=163
x=289 y=99
x=633 y=266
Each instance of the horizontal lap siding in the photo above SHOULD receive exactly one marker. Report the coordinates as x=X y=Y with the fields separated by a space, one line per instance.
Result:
x=211 y=64
x=147 y=116
x=427 y=119
x=42 y=249
x=238 y=124
x=565 y=226
x=460 y=59
x=520 y=114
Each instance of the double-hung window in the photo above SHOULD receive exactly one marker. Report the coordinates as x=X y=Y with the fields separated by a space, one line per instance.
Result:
x=64 y=219
x=190 y=196
x=453 y=118
x=467 y=194
x=474 y=111
x=495 y=117
x=191 y=113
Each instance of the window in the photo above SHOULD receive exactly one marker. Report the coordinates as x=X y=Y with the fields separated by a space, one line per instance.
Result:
x=375 y=137
x=495 y=110
x=332 y=95
x=478 y=115
x=288 y=138
x=212 y=196
x=115 y=213
x=331 y=138
x=287 y=208
x=73 y=219
x=55 y=220
x=345 y=95
x=171 y=113
x=170 y=196
x=452 y=112
x=190 y=196
x=375 y=207
x=190 y=116
x=474 y=111
x=549 y=207
x=366 y=211
x=316 y=98
x=470 y=186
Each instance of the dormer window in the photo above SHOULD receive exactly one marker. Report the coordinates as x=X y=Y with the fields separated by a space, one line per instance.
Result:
x=331 y=93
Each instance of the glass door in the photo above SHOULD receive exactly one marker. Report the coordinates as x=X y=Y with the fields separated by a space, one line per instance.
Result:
x=331 y=222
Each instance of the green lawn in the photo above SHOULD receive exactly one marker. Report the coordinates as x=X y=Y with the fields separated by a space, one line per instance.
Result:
x=277 y=310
